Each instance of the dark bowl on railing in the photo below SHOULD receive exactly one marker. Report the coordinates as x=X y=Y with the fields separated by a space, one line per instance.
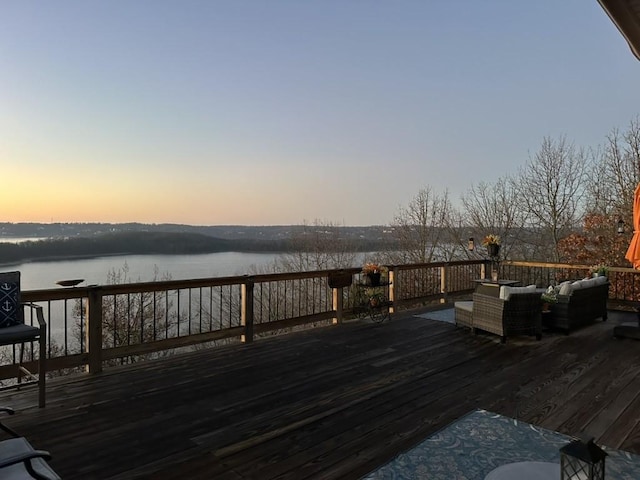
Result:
x=70 y=283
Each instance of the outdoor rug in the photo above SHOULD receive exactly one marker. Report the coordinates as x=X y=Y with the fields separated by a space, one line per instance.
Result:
x=447 y=315
x=475 y=444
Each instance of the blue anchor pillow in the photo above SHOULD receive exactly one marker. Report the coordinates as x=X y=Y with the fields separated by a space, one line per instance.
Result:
x=10 y=308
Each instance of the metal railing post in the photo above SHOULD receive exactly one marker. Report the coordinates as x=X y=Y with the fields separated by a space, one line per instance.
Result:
x=93 y=331
x=247 y=311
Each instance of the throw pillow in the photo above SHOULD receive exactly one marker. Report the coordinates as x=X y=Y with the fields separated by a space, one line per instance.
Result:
x=10 y=299
x=565 y=288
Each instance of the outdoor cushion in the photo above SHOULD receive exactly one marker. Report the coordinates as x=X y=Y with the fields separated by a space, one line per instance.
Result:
x=17 y=447
x=600 y=280
x=464 y=313
x=506 y=292
x=565 y=288
x=18 y=333
x=577 y=285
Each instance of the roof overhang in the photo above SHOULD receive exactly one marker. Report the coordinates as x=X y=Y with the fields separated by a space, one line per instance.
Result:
x=625 y=14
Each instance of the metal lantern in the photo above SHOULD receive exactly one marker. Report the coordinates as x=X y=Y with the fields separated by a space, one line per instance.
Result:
x=471 y=245
x=580 y=460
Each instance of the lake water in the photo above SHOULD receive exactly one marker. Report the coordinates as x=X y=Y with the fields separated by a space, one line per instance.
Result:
x=37 y=275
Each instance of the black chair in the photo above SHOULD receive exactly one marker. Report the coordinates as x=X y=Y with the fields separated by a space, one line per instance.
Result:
x=19 y=460
x=14 y=331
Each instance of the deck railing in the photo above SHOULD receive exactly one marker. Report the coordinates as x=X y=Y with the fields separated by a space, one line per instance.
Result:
x=94 y=326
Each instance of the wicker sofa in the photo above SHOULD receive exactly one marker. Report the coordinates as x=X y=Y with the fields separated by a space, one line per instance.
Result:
x=579 y=303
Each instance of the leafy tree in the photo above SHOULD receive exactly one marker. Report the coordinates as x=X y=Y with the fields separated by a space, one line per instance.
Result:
x=597 y=243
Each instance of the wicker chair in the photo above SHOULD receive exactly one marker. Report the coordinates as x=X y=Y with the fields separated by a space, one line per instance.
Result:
x=519 y=315
x=14 y=331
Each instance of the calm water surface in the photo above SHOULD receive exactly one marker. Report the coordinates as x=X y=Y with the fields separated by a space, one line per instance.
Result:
x=37 y=275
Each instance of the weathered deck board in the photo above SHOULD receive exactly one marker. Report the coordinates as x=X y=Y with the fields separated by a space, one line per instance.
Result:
x=331 y=403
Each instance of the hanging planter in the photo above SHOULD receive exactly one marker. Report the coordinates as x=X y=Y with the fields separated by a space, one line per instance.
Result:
x=372 y=273
x=492 y=242
x=374 y=278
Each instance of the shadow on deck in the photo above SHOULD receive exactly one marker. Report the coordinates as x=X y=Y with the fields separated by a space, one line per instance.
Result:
x=335 y=402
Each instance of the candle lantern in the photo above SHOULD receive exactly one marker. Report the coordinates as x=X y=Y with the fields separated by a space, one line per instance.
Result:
x=471 y=245
x=581 y=460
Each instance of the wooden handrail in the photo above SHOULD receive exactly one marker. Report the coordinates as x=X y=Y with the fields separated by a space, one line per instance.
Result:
x=251 y=305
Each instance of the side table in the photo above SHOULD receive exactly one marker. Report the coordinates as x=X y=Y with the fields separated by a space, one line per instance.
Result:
x=486 y=286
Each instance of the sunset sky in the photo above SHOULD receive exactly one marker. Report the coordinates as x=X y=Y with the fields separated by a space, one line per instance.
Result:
x=283 y=111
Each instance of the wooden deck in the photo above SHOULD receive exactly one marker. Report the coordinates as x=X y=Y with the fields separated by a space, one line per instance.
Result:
x=335 y=402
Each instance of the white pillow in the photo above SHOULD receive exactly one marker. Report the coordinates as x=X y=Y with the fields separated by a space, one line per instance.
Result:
x=506 y=292
x=565 y=288
x=601 y=280
x=577 y=285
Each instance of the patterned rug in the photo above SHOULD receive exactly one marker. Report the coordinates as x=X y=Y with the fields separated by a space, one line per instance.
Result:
x=447 y=315
x=472 y=446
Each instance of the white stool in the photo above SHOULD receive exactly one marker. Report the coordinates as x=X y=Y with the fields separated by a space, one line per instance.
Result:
x=525 y=471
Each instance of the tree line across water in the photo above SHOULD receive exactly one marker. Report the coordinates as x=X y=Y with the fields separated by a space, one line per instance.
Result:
x=132 y=243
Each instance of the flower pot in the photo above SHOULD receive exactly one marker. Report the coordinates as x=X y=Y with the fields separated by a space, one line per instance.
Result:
x=493 y=249
x=373 y=279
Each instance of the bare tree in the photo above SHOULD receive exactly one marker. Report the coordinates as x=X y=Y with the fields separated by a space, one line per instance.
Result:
x=616 y=173
x=421 y=229
x=551 y=188
x=131 y=319
x=320 y=246
x=494 y=208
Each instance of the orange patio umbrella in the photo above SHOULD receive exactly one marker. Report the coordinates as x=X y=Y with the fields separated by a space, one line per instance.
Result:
x=631 y=330
x=633 y=252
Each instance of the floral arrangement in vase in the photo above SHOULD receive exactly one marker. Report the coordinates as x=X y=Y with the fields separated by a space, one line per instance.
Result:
x=371 y=268
x=490 y=240
x=373 y=273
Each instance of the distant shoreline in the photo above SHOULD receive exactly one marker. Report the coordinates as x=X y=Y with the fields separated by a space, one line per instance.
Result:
x=62 y=258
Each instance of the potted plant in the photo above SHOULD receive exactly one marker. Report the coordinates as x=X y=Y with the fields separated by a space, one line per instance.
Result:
x=492 y=243
x=376 y=299
x=373 y=273
x=599 y=270
x=548 y=297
